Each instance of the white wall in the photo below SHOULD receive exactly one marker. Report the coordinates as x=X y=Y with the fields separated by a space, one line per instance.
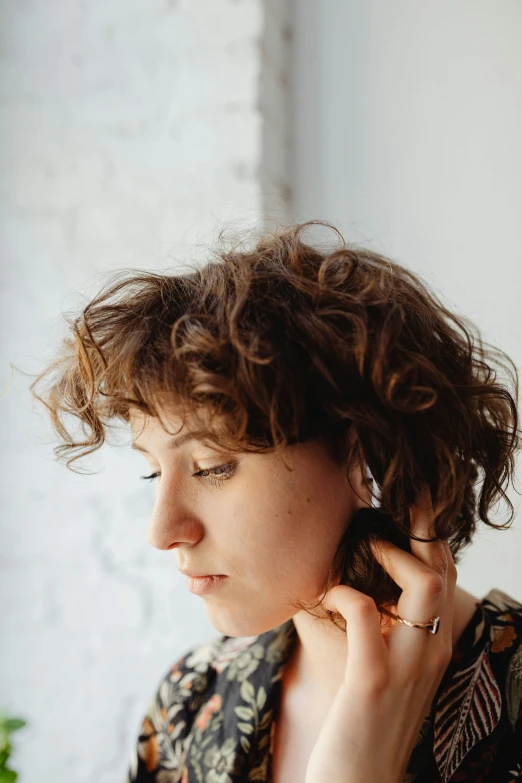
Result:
x=130 y=130
x=407 y=127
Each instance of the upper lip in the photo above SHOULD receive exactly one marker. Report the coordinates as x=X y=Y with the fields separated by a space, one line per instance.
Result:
x=194 y=575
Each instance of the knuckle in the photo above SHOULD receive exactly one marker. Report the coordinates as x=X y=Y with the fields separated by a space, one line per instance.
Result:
x=364 y=606
x=433 y=583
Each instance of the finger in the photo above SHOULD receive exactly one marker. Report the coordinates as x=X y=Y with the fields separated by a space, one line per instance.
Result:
x=435 y=554
x=422 y=598
x=367 y=650
x=422 y=516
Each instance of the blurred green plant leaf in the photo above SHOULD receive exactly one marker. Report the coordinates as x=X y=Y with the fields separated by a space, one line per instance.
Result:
x=7 y=726
x=13 y=724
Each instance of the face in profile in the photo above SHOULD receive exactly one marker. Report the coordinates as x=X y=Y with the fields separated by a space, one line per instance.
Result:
x=271 y=528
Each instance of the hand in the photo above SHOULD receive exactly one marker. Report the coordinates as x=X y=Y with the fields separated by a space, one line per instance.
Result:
x=390 y=678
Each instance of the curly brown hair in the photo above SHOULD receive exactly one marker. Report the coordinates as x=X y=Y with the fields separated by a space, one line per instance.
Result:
x=283 y=342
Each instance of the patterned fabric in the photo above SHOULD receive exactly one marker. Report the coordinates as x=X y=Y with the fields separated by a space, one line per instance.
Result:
x=212 y=719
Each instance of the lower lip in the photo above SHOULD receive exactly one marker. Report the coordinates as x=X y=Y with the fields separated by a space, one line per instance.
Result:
x=199 y=585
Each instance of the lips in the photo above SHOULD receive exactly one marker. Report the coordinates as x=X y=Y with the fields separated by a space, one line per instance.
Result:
x=201 y=585
x=194 y=575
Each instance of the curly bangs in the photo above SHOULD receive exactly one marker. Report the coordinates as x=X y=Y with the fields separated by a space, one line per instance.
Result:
x=283 y=342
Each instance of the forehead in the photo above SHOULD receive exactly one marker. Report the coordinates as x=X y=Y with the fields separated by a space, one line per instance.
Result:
x=165 y=424
x=169 y=429
x=139 y=422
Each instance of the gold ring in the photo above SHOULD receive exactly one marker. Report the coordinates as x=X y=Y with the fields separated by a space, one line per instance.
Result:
x=432 y=626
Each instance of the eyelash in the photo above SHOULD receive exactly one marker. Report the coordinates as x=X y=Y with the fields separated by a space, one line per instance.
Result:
x=228 y=471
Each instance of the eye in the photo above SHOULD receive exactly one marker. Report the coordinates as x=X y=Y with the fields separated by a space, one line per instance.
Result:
x=218 y=474
x=215 y=475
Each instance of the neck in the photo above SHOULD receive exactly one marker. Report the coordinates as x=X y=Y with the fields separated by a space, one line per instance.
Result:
x=319 y=660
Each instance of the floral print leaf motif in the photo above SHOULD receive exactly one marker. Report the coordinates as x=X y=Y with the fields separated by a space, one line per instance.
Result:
x=213 y=705
x=199 y=657
x=266 y=720
x=247 y=691
x=167 y=776
x=468 y=710
x=502 y=632
x=258 y=773
x=245 y=663
x=261 y=698
x=245 y=713
x=229 y=649
x=263 y=742
x=280 y=644
x=500 y=601
x=148 y=744
x=246 y=727
x=220 y=761
x=479 y=630
x=173 y=755
x=175 y=730
x=514 y=686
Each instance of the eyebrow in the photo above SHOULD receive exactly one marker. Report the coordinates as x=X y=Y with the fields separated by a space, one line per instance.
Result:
x=177 y=441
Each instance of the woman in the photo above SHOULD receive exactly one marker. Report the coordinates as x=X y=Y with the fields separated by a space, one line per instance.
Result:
x=324 y=436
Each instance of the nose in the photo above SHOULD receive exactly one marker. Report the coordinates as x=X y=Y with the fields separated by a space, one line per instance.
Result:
x=172 y=523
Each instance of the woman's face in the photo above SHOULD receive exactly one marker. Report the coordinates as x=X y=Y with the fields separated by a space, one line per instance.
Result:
x=271 y=528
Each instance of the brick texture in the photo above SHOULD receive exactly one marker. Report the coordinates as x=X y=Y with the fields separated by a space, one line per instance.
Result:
x=130 y=131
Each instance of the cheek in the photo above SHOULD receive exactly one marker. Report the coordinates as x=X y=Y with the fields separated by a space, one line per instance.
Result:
x=310 y=538
x=294 y=547
x=290 y=528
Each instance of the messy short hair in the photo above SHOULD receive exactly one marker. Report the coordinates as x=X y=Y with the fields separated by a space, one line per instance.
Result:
x=283 y=342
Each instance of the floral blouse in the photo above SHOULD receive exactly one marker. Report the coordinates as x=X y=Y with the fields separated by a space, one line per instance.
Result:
x=213 y=716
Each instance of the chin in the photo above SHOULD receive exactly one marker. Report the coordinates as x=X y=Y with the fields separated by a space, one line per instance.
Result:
x=245 y=621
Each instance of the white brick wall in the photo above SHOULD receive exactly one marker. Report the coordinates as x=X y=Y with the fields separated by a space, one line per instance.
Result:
x=130 y=131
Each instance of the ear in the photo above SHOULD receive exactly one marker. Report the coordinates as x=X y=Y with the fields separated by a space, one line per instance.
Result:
x=361 y=477
x=358 y=475
x=362 y=483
